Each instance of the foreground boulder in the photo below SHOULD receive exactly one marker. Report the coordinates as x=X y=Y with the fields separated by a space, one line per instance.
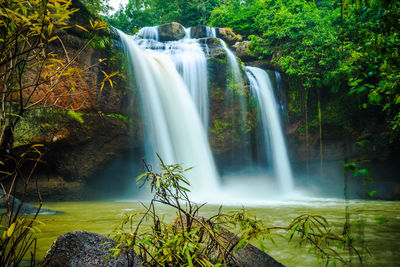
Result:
x=199 y=32
x=82 y=248
x=171 y=32
x=248 y=256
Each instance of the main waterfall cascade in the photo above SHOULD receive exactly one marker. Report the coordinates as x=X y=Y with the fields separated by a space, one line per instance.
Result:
x=173 y=126
x=172 y=79
x=190 y=61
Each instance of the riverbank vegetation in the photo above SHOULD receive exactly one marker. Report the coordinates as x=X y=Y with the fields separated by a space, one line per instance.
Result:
x=31 y=72
x=222 y=239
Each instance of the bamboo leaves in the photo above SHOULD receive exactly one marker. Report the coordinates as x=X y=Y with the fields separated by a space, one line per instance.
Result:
x=190 y=240
x=10 y=230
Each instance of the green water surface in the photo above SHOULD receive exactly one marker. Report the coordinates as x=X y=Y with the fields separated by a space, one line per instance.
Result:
x=377 y=223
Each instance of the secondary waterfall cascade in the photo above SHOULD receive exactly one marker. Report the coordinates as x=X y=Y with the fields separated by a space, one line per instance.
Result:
x=172 y=78
x=261 y=86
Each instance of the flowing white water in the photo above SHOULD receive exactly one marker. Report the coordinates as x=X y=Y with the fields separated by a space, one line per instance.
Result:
x=211 y=32
x=188 y=33
x=279 y=90
x=148 y=33
x=176 y=114
x=233 y=65
x=173 y=126
x=191 y=62
x=261 y=87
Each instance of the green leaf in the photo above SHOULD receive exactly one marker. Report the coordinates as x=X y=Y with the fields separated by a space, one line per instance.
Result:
x=364 y=172
x=11 y=229
x=189 y=258
x=260 y=242
x=348 y=167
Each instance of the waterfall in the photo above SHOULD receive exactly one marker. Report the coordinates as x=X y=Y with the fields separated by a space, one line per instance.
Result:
x=261 y=87
x=232 y=64
x=173 y=125
x=148 y=33
x=191 y=62
x=211 y=32
x=172 y=78
x=279 y=90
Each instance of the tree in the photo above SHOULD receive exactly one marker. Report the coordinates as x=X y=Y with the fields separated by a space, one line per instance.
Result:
x=30 y=74
x=30 y=71
x=140 y=13
x=98 y=6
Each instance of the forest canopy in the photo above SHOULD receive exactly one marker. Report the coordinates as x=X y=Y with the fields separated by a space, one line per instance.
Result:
x=329 y=49
x=350 y=47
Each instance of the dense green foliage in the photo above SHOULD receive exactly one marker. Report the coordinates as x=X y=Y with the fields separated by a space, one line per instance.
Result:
x=97 y=6
x=333 y=50
x=140 y=13
x=341 y=58
x=372 y=63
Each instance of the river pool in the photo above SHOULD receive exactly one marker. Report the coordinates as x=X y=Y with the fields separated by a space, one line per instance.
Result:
x=377 y=221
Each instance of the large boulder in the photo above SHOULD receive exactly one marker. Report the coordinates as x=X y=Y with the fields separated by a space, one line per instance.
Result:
x=241 y=50
x=171 y=32
x=248 y=256
x=215 y=49
x=228 y=36
x=200 y=32
x=82 y=248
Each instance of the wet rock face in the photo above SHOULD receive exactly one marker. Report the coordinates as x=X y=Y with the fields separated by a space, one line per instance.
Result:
x=215 y=49
x=198 y=32
x=241 y=50
x=84 y=127
x=82 y=248
x=228 y=36
x=74 y=150
x=171 y=32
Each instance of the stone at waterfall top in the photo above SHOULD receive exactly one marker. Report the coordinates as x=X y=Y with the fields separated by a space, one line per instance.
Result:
x=171 y=32
x=174 y=31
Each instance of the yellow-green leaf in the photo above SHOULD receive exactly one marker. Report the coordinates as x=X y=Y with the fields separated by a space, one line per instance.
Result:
x=82 y=28
x=11 y=229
